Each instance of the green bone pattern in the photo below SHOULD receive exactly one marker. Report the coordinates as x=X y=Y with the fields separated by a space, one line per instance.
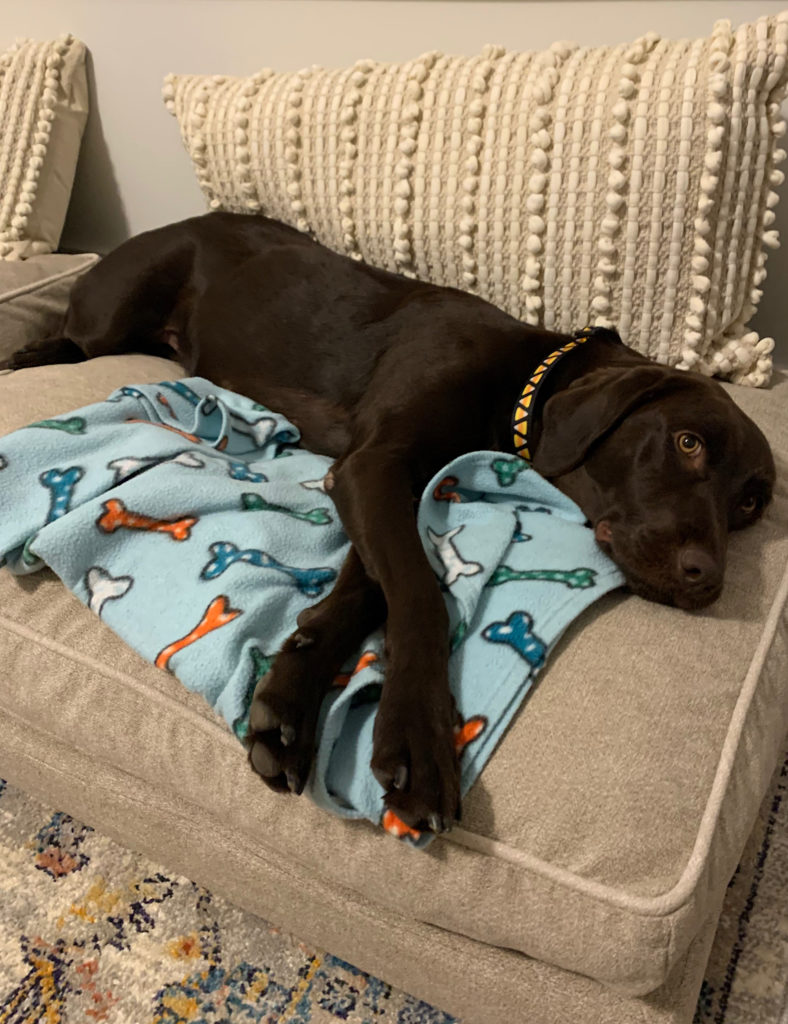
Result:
x=27 y=555
x=507 y=469
x=261 y=663
x=573 y=578
x=256 y=503
x=74 y=425
x=458 y=635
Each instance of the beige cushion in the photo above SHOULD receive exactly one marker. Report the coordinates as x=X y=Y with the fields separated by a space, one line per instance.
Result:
x=34 y=297
x=628 y=185
x=603 y=831
x=43 y=109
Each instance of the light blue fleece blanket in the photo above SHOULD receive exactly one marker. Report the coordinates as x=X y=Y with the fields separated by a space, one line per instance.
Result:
x=189 y=520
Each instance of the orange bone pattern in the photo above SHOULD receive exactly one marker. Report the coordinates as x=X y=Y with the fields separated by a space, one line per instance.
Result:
x=162 y=400
x=166 y=426
x=116 y=516
x=441 y=494
x=217 y=614
x=367 y=658
x=398 y=828
x=464 y=733
x=467 y=731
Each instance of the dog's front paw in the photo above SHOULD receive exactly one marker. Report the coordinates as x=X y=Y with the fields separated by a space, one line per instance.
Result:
x=283 y=718
x=414 y=758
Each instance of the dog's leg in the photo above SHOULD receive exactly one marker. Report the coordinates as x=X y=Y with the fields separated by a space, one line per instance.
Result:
x=136 y=299
x=287 y=699
x=414 y=757
x=43 y=353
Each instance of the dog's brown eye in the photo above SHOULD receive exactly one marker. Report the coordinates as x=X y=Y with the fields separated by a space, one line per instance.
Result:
x=688 y=444
x=749 y=505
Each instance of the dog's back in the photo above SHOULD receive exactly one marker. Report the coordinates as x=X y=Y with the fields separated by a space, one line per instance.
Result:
x=242 y=300
x=142 y=295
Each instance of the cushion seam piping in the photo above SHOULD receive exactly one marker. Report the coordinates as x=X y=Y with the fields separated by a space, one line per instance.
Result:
x=44 y=282
x=53 y=645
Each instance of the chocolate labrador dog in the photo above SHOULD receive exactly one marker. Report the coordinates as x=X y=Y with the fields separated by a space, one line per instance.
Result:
x=393 y=378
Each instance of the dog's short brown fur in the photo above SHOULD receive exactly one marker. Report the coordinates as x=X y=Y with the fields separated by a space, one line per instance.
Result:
x=393 y=378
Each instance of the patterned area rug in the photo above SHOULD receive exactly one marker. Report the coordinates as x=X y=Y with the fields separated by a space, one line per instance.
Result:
x=90 y=932
x=747 y=975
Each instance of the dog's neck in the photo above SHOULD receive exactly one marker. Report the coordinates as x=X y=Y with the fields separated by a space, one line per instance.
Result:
x=600 y=347
x=529 y=398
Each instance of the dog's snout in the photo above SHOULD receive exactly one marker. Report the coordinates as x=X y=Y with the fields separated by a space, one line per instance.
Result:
x=698 y=566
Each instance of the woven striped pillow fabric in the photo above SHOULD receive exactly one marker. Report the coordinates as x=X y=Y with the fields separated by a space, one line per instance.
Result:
x=43 y=109
x=629 y=186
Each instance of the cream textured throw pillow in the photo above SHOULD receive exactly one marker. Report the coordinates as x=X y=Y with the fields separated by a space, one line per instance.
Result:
x=628 y=185
x=43 y=109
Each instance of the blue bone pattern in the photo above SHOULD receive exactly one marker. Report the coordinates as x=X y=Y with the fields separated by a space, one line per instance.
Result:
x=519 y=536
x=310 y=582
x=241 y=471
x=127 y=392
x=183 y=390
x=518 y=633
x=61 y=482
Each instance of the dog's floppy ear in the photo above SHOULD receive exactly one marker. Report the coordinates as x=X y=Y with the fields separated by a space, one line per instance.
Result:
x=577 y=417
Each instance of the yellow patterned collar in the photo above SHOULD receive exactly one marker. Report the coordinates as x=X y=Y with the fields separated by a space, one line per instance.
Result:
x=522 y=411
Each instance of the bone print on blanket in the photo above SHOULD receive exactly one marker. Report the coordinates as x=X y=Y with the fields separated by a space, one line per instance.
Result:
x=183 y=487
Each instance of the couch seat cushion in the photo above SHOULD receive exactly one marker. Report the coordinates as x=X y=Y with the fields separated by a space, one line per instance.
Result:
x=605 y=827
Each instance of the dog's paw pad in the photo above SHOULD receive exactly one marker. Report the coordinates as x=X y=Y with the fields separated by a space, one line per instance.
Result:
x=264 y=760
x=280 y=739
x=270 y=762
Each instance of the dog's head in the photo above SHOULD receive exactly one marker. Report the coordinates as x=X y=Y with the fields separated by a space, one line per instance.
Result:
x=664 y=464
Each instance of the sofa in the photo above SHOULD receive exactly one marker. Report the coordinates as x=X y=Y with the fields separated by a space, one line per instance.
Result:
x=586 y=878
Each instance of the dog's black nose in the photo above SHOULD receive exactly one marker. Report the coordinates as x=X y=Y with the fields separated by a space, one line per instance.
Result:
x=697 y=567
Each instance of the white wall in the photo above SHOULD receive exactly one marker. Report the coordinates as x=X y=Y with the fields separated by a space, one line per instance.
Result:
x=133 y=173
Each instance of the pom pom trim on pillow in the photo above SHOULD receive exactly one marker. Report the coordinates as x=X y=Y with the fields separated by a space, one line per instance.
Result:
x=43 y=108
x=629 y=186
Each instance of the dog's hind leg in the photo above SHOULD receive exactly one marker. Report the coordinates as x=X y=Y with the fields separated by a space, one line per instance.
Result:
x=43 y=353
x=287 y=699
x=136 y=299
